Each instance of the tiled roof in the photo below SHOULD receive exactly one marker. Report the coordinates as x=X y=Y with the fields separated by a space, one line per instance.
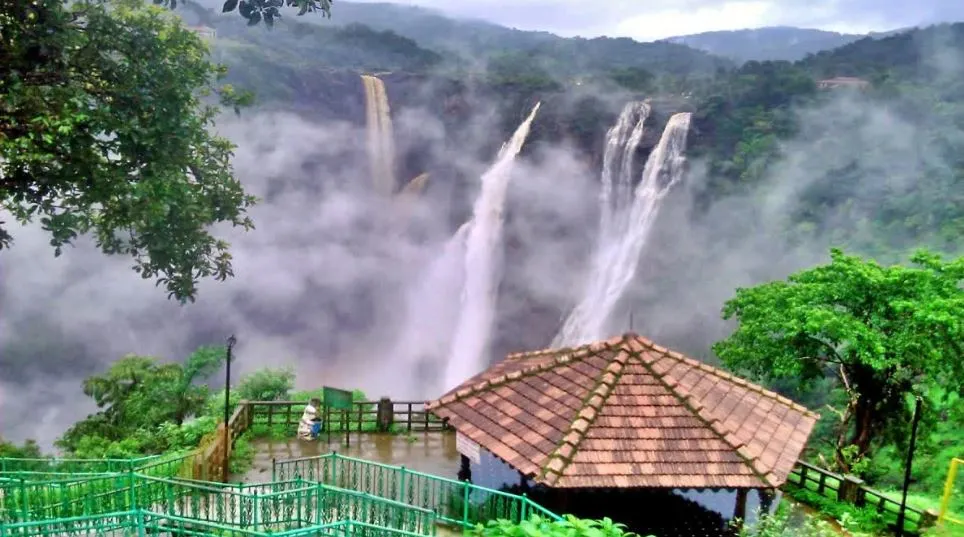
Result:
x=628 y=413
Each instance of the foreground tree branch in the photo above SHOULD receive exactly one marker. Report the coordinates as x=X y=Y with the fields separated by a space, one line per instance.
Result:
x=105 y=116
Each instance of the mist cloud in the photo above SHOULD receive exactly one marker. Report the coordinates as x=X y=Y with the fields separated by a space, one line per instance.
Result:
x=322 y=284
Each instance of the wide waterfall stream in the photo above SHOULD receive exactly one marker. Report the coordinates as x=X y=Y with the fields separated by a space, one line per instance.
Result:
x=625 y=228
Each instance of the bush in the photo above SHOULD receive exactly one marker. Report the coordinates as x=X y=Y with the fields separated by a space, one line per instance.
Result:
x=783 y=524
x=267 y=385
x=538 y=526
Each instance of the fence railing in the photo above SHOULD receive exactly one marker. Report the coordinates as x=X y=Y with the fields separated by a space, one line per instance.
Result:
x=180 y=464
x=851 y=489
x=207 y=462
x=950 y=487
x=145 y=522
x=383 y=415
x=277 y=506
x=454 y=502
x=43 y=466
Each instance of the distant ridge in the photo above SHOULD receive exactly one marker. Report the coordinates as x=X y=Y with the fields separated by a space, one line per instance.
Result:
x=771 y=43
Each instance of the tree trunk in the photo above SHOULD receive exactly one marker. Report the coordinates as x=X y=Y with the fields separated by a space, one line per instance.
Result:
x=864 y=427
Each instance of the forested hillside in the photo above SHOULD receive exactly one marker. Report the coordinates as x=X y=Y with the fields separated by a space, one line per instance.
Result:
x=917 y=84
x=470 y=45
x=773 y=43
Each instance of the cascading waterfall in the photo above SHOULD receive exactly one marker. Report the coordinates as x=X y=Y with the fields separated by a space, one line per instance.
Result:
x=622 y=141
x=483 y=264
x=432 y=311
x=381 y=140
x=617 y=256
x=414 y=187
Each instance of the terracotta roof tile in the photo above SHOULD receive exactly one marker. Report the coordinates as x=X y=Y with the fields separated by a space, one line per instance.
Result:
x=628 y=413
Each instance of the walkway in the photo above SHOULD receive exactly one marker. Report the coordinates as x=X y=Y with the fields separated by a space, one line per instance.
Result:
x=432 y=453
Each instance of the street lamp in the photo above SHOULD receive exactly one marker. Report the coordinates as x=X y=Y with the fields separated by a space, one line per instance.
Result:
x=901 y=513
x=227 y=406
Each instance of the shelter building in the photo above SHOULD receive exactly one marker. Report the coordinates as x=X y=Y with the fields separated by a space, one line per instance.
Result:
x=627 y=429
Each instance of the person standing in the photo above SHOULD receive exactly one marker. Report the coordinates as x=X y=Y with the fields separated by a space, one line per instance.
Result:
x=310 y=425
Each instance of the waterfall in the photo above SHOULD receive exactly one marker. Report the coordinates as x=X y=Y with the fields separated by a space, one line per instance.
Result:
x=381 y=141
x=617 y=255
x=483 y=260
x=622 y=141
x=414 y=187
x=431 y=313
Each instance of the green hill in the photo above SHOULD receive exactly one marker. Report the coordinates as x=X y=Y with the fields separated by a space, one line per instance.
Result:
x=469 y=44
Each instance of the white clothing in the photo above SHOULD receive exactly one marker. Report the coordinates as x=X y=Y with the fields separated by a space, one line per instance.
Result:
x=307 y=420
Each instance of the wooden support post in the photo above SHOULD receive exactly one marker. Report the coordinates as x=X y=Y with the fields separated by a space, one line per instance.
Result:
x=766 y=500
x=739 y=510
x=465 y=469
x=346 y=417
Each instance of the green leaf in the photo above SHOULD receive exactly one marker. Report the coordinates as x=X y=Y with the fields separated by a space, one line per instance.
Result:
x=229 y=6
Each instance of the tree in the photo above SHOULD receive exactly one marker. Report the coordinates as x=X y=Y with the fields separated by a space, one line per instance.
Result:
x=884 y=332
x=137 y=394
x=266 y=385
x=268 y=10
x=104 y=130
x=29 y=450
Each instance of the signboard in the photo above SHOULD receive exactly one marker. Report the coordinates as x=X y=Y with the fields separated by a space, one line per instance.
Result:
x=337 y=399
x=467 y=447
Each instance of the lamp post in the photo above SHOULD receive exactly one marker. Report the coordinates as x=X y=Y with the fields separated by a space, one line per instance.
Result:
x=227 y=406
x=910 y=461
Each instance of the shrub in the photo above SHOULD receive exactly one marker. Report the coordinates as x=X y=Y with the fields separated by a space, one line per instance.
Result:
x=537 y=526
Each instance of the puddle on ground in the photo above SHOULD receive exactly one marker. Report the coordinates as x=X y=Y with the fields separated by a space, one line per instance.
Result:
x=431 y=453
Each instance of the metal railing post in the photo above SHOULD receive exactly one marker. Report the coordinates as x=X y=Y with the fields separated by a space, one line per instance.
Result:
x=254 y=513
x=465 y=504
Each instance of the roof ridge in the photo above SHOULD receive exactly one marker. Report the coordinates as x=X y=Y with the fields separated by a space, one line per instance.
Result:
x=566 y=355
x=561 y=457
x=691 y=404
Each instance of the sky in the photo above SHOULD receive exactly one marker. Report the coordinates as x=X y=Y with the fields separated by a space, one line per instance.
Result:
x=648 y=20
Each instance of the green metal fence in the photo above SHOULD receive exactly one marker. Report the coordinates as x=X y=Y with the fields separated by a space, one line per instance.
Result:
x=141 y=523
x=454 y=502
x=168 y=465
x=279 y=506
x=73 y=466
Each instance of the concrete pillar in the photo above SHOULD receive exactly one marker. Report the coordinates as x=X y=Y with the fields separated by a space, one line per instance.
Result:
x=849 y=489
x=385 y=416
x=928 y=519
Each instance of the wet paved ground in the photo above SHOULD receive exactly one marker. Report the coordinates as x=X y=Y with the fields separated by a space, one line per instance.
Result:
x=432 y=453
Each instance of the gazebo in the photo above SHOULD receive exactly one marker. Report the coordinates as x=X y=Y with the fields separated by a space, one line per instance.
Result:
x=625 y=416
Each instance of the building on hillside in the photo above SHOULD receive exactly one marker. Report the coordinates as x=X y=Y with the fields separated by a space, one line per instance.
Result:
x=844 y=82
x=629 y=430
x=205 y=32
